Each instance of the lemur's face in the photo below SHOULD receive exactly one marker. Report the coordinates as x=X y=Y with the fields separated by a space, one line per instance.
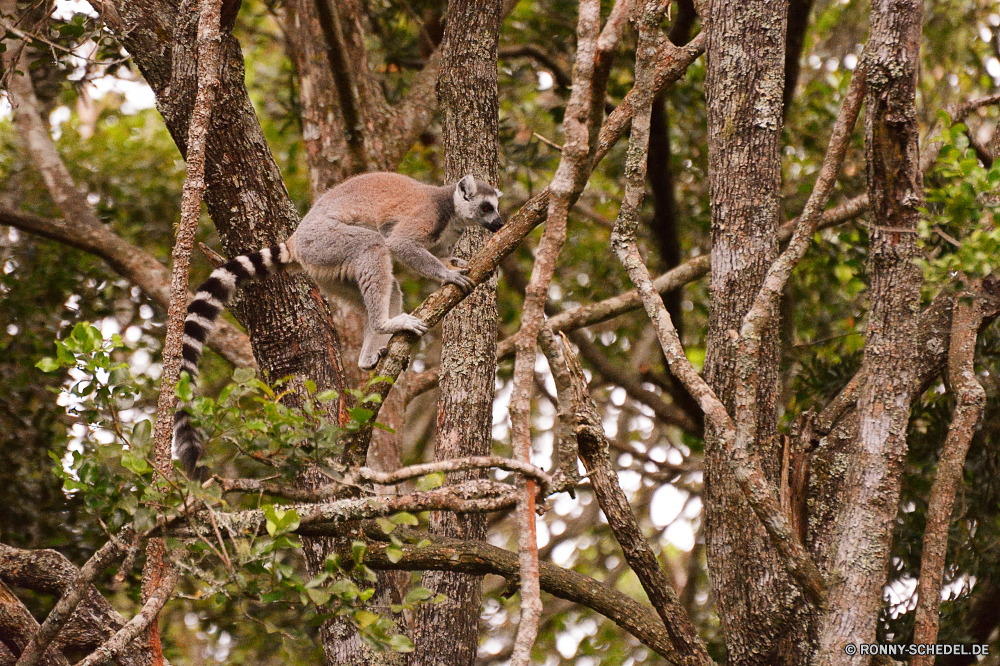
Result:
x=476 y=203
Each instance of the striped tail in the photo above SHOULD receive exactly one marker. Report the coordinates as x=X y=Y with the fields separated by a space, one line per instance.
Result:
x=202 y=313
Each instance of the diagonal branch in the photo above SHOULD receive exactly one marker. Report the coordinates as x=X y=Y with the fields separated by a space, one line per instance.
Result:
x=142 y=621
x=81 y=228
x=746 y=468
x=131 y=262
x=18 y=626
x=671 y=63
x=579 y=127
x=594 y=452
x=59 y=615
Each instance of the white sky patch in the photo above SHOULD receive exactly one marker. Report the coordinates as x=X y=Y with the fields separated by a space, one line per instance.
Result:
x=541 y=532
x=57 y=118
x=6 y=110
x=680 y=534
x=992 y=68
x=850 y=61
x=985 y=33
x=545 y=81
x=901 y=595
x=66 y=9
x=666 y=505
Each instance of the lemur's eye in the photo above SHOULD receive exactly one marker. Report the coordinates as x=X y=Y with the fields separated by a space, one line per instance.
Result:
x=486 y=207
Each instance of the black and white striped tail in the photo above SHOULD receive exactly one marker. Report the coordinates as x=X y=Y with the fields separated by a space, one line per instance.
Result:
x=202 y=313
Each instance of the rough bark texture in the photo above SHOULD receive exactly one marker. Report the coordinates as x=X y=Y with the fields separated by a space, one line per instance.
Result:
x=288 y=325
x=863 y=527
x=337 y=119
x=970 y=398
x=49 y=572
x=18 y=627
x=467 y=90
x=744 y=122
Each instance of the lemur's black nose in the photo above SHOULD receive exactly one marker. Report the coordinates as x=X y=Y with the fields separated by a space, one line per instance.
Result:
x=495 y=224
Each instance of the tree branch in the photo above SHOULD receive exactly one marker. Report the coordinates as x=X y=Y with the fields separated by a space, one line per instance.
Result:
x=593 y=448
x=142 y=621
x=579 y=127
x=325 y=519
x=49 y=572
x=59 y=616
x=746 y=468
x=671 y=63
x=445 y=554
x=970 y=398
x=134 y=264
x=81 y=228
x=18 y=627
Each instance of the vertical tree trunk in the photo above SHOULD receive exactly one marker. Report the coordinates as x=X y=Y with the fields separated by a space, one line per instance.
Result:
x=288 y=324
x=744 y=85
x=863 y=526
x=467 y=89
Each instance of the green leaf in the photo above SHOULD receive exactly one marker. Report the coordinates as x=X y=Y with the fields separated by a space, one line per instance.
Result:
x=418 y=594
x=183 y=390
x=136 y=464
x=401 y=643
x=48 y=364
x=360 y=414
x=431 y=481
x=141 y=433
x=404 y=518
x=318 y=596
x=280 y=521
x=394 y=553
x=365 y=618
x=243 y=375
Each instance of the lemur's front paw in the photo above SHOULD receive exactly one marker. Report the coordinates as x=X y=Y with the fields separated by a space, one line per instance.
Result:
x=460 y=280
x=457 y=263
x=410 y=323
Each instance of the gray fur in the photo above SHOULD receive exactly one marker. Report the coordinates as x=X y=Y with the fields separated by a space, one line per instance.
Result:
x=346 y=243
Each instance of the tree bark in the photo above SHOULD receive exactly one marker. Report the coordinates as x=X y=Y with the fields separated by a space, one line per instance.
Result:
x=448 y=633
x=289 y=326
x=744 y=124
x=875 y=459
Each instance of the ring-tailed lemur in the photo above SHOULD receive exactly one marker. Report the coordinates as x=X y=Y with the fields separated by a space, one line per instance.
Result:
x=346 y=243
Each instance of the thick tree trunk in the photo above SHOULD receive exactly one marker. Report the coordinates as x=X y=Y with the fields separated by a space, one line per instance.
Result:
x=862 y=528
x=289 y=327
x=744 y=85
x=448 y=633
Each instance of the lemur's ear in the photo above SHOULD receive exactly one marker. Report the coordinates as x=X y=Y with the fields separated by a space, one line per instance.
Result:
x=499 y=194
x=468 y=187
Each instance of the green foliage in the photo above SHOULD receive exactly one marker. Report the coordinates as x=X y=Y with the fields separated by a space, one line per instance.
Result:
x=116 y=481
x=960 y=192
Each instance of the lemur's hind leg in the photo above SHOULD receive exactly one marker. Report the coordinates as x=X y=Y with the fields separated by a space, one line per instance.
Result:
x=383 y=304
x=376 y=344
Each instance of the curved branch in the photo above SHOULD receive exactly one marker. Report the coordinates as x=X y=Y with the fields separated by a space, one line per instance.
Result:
x=445 y=554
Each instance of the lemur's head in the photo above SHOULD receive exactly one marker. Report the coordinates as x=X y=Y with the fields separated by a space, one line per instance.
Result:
x=476 y=203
